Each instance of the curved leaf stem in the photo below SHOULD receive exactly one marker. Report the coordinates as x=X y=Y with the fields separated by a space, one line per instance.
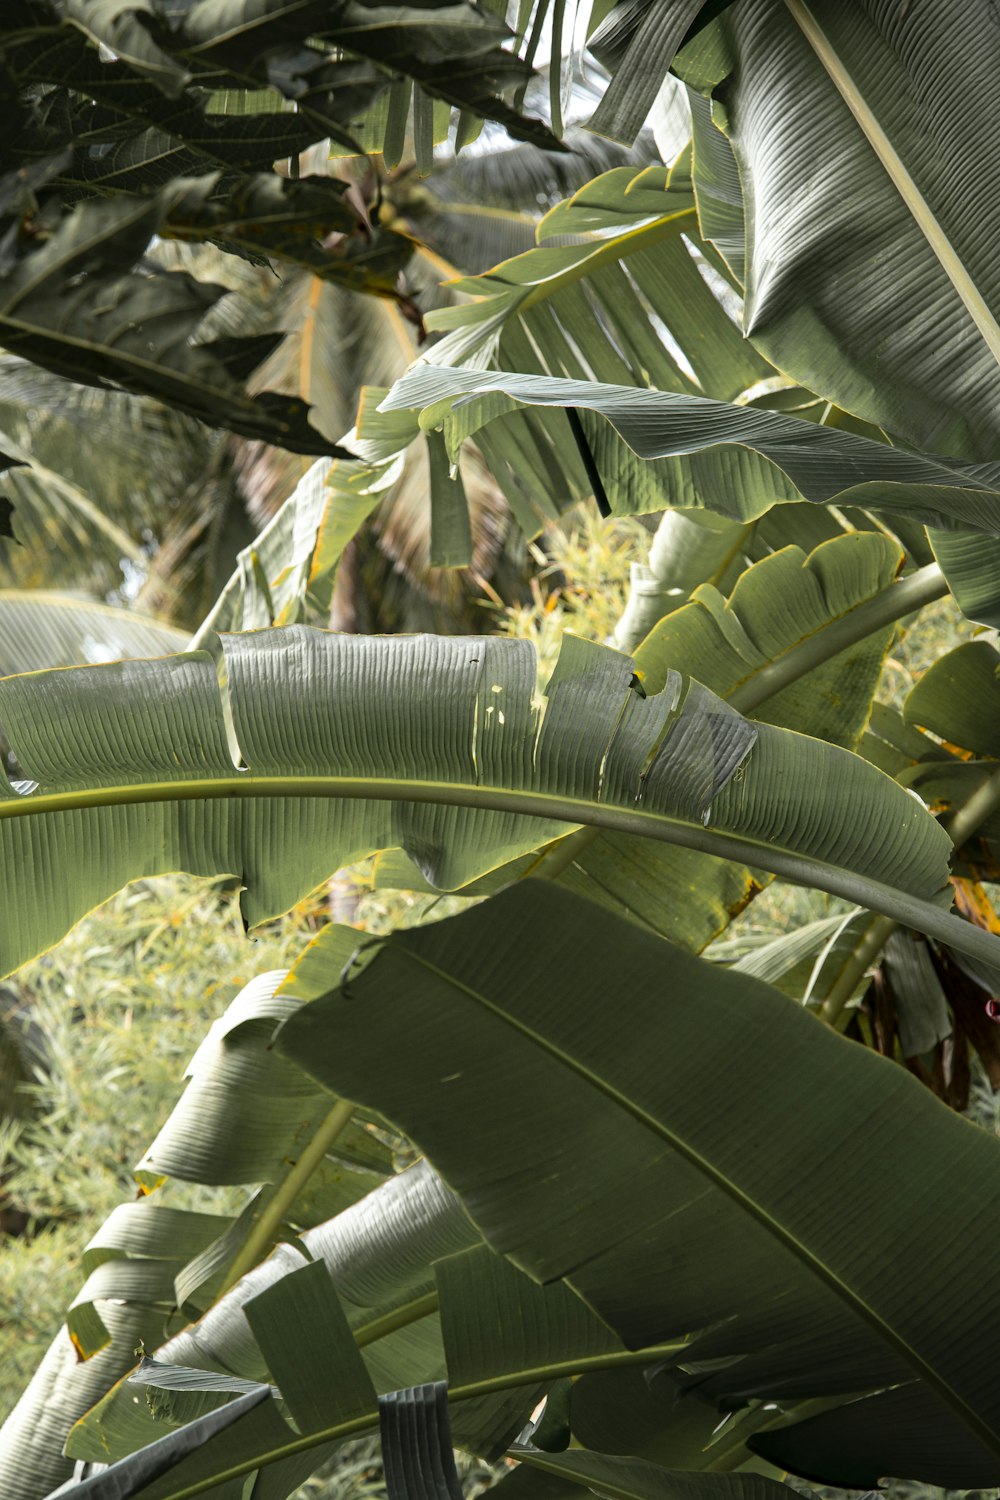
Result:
x=800 y=868
x=965 y=820
x=612 y=1359
x=266 y=1226
x=893 y=603
x=923 y=215
x=865 y=951
x=961 y=825
x=400 y=1317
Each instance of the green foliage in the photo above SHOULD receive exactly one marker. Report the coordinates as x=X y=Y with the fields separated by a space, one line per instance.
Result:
x=122 y=1004
x=692 y=1179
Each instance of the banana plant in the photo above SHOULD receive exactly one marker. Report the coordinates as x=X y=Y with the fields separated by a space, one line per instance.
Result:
x=319 y=750
x=781 y=1315
x=100 y=158
x=773 y=85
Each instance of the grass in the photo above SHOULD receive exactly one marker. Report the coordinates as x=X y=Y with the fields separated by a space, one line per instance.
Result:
x=123 y=1002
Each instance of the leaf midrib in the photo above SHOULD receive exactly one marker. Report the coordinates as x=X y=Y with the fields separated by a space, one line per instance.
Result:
x=802 y=868
x=727 y=1185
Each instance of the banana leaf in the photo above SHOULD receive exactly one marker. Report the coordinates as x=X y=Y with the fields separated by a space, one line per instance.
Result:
x=702 y=1229
x=434 y=747
x=39 y=629
x=738 y=460
x=836 y=261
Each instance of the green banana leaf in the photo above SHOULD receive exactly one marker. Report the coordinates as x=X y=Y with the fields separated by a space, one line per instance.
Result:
x=39 y=629
x=712 y=1223
x=836 y=260
x=958 y=698
x=538 y=312
x=685 y=895
x=55 y=309
x=434 y=747
x=623 y=1478
x=738 y=460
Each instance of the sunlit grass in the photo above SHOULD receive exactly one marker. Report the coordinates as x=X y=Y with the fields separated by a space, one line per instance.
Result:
x=122 y=1002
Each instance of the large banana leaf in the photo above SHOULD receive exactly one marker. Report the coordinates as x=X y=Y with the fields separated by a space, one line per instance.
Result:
x=693 y=1201
x=733 y=459
x=837 y=259
x=347 y=745
x=40 y=629
x=972 y=567
x=731 y=645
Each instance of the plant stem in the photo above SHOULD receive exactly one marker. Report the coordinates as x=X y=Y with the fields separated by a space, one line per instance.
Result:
x=961 y=825
x=965 y=820
x=400 y=1317
x=803 y=869
x=865 y=951
x=892 y=604
x=923 y=215
x=613 y=1359
x=261 y=1236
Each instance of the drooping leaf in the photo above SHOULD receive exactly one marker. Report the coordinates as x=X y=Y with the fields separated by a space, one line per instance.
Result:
x=763 y=1236
x=74 y=304
x=834 y=264
x=803 y=963
x=435 y=748
x=744 y=458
